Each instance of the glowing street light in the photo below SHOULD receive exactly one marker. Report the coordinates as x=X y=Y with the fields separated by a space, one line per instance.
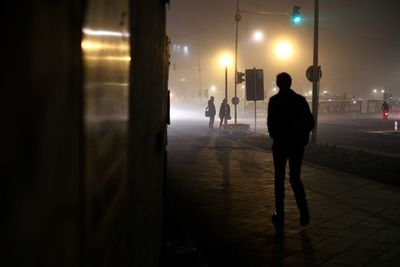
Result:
x=185 y=50
x=283 y=49
x=258 y=36
x=225 y=60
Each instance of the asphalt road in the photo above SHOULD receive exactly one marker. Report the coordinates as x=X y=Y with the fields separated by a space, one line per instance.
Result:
x=367 y=132
x=363 y=132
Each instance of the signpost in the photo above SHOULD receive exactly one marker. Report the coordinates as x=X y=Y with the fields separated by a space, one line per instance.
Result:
x=235 y=100
x=315 y=97
x=310 y=71
x=254 y=89
x=315 y=80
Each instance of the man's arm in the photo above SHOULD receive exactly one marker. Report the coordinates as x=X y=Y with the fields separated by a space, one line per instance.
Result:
x=271 y=119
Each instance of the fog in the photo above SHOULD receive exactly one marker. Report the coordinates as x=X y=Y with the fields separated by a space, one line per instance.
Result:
x=359 y=48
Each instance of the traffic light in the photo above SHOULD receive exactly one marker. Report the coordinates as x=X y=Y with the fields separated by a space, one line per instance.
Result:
x=296 y=17
x=239 y=77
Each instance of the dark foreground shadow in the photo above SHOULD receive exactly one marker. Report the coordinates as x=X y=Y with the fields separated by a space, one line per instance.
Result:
x=283 y=253
x=223 y=151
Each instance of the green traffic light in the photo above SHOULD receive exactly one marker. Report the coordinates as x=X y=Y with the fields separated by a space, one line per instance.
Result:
x=296 y=20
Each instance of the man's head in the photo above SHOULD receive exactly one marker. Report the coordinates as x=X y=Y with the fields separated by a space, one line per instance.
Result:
x=283 y=81
x=212 y=98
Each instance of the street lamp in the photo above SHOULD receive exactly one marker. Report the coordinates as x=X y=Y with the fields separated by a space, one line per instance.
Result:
x=258 y=36
x=316 y=70
x=225 y=61
x=283 y=49
x=296 y=20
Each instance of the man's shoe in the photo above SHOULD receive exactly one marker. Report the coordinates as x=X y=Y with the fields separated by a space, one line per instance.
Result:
x=277 y=220
x=304 y=219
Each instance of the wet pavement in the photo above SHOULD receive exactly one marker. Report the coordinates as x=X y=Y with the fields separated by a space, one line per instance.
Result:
x=219 y=198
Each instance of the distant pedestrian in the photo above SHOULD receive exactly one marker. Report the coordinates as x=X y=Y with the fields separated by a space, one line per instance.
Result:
x=289 y=124
x=224 y=113
x=210 y=112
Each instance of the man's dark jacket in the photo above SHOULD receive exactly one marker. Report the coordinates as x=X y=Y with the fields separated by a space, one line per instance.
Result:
x=289 y=119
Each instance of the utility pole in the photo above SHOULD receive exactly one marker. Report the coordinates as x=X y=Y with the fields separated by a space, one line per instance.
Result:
x=237 y=19
x=316 y=72
x=226 y=95
x=198 y=63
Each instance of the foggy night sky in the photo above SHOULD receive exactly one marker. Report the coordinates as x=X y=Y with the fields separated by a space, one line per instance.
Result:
x=359 y=44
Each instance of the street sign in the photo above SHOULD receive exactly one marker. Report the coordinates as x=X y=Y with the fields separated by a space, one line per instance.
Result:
x=309 y=73
x=235 y=100
x=254 y=84
x=238 y=17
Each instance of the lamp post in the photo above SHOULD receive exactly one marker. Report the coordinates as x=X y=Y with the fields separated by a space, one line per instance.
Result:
x=237 y=19
x=226 y=83
x=225 y=61
x=315 y=93
x=226 y=95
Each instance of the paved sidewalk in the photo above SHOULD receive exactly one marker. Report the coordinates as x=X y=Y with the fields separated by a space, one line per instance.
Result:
x=220 y=197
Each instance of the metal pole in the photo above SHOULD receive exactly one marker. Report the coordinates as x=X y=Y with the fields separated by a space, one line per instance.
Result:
x=315 y=96
x=226 y=82
x=237 y=19
x=255 y=116
x=198 y=63
x=226 y=93
x=255 y=100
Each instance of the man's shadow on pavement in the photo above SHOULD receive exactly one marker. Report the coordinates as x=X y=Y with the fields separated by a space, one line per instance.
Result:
x=223 y=150
x=281 y=254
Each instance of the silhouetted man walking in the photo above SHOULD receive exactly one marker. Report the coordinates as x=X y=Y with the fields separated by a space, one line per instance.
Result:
x=289 y=124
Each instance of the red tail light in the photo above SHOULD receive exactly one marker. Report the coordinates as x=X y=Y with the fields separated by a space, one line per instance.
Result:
x=386 y=113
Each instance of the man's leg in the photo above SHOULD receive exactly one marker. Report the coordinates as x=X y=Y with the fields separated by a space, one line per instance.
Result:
x=295 y=161
x=280 y=158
